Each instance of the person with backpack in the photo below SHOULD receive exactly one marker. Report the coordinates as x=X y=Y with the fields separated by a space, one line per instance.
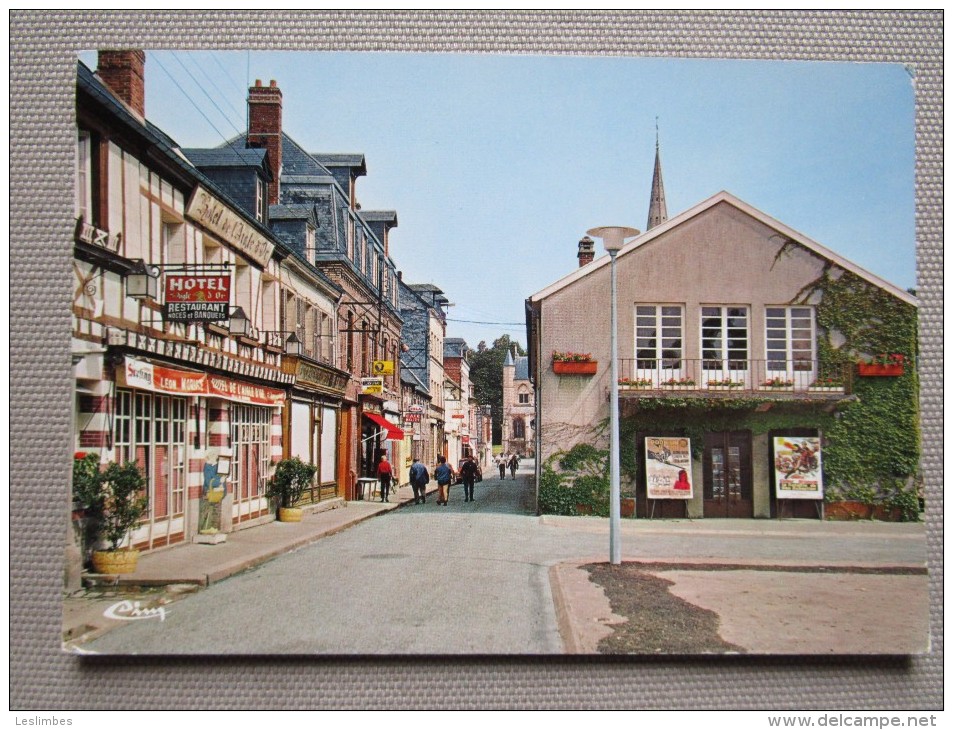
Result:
x=419 y=479
x=468 y=472
x=444 y=476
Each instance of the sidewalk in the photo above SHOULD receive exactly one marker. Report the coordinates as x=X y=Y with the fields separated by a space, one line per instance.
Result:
x=206 y=564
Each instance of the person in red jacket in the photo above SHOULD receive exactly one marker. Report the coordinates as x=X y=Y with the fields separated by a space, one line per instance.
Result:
x=384 y=473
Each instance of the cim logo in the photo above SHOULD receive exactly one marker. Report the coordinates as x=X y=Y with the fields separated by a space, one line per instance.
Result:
x=131 y=611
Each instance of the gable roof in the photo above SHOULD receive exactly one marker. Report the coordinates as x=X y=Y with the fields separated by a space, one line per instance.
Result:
x=726 y=197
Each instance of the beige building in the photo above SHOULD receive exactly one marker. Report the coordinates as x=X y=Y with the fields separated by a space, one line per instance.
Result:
x=727 y=337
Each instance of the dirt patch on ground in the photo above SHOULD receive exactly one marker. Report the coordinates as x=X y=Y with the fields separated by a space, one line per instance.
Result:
x=660 y=621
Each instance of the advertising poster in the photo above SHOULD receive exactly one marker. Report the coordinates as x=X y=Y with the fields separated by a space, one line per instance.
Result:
x=797 y=467
x=668 y=467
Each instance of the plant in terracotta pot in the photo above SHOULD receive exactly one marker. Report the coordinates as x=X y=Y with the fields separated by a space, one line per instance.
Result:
x=122 y=503
x=292 y=476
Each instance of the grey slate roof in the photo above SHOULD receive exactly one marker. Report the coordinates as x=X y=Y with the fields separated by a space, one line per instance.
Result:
x=353 y=160
x=295 y=211
x=454 y=347
x=522 y=368
x=227 y=157
x=383 y=216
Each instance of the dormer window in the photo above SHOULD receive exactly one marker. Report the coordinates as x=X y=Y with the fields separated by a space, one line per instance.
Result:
x=259 y=199
x=309 y=243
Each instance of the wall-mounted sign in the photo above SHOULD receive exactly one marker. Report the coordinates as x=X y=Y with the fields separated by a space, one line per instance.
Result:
x=415 y=408
x=412 y=418
x=94 y=236
x=383 y=367
x=213 y=214
x=145 y=375
x=372 y=385
x=668 y=467
x=458 y=415
x=797 y=467
x=196 y=297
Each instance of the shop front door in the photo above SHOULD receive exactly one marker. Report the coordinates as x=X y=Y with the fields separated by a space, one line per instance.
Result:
x=727 y=463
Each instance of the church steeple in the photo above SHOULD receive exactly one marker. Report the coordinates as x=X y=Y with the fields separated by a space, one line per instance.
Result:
x=658 y=213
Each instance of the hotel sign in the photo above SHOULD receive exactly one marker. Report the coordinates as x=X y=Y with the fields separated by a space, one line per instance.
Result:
x=196 y=297
x=213 y=214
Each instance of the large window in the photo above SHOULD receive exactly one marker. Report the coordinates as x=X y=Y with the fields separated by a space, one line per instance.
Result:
x=724 y=338
x=789 y=339
x=658 y=336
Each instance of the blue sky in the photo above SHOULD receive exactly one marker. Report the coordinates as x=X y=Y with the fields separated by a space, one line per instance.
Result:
x=497 y=165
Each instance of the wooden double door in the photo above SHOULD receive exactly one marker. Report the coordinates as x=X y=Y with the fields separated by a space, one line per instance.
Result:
x=728 y=475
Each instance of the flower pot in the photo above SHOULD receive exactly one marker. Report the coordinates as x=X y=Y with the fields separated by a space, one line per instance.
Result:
x=627 y=507
x=847 y=510
x=567 y=367
x=290 y=514
x=826 y=389
x=867 y=370
x=777 y=388
x=679 y=387
x=115 y=562
x=724 y=387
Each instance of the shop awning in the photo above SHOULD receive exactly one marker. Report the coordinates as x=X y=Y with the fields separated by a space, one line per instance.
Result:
x=394 y=433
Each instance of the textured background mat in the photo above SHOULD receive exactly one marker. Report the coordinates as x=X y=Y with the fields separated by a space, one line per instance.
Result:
x=43 y=48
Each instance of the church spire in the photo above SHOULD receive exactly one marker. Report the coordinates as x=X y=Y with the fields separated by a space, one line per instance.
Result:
x=657 y=210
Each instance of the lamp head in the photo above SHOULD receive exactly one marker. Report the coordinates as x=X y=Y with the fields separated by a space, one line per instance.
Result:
x=613 y=237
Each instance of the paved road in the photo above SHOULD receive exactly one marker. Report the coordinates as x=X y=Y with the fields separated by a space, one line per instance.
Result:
x=464 y=578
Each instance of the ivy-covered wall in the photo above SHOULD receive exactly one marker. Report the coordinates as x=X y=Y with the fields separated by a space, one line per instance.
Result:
x=871 y=442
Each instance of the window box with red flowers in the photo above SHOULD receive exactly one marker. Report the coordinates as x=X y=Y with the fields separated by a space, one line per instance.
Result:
x=826 y=385
x=777 y=384
x=679 y=384
x=635 y=384
x=574 y=363
x=883 y=365
x=724 y=384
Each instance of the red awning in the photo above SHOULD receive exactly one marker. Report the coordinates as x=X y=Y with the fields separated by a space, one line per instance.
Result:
x=394 y=433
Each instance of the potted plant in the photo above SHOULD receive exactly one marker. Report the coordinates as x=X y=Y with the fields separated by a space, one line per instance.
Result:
x=121 y=504
x=292 y=476
x=574 y=363
x=883 y=365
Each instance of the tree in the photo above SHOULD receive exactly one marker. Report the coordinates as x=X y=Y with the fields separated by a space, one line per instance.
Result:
x=486 y=373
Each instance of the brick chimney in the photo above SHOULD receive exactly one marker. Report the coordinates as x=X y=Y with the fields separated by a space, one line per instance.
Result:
x=124 y=73
x=587 y=250
x=264 y=128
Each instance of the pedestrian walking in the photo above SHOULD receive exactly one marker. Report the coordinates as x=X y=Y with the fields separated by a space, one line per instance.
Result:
x=468 y=474
x=501 y=463
x=384 y=474
x=514 y=464
x=444 y=475
x=419 y=479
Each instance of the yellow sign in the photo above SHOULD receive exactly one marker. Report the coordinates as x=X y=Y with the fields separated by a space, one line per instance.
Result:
x=372 y=385
x=383 y=367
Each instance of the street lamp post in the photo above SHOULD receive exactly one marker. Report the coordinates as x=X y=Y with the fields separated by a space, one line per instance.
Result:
x=613 y=238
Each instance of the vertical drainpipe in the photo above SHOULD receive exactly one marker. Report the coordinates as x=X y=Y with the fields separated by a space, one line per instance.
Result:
x=532 y=340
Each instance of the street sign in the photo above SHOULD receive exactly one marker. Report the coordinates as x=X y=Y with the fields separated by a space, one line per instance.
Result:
x=372 y=385
x=383 y=367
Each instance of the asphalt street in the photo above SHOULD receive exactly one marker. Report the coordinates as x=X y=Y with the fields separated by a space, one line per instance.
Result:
x=466 y=578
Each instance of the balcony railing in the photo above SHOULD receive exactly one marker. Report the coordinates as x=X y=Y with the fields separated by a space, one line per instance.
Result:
x=734 y=376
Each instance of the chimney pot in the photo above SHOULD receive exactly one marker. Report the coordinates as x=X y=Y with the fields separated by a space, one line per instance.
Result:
x=587 y=250
x=257 y=82
x=274 y=84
